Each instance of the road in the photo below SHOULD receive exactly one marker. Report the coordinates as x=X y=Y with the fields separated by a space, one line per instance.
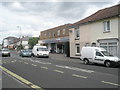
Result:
x=57 y=71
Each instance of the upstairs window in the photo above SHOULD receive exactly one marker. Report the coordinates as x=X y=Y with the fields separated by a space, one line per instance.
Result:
x=63 y=31
x=106 y=26
x=45 y=34
x=58 y=32
x=77 y=33
x=53 y=34
x=49 y=34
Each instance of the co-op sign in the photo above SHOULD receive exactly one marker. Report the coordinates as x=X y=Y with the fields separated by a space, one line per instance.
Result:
x=64 y=39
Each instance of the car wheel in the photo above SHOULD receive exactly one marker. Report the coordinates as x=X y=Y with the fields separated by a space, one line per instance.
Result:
x=37 y=56
x=107 y=63
x=86 y=61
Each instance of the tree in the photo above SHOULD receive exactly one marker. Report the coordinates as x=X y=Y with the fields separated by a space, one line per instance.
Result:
x=33 y=41
x=20 y=47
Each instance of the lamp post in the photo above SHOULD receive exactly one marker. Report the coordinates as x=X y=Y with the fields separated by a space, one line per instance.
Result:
x=20 y=37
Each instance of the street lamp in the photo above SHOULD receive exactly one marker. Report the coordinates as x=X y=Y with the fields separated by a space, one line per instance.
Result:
x=20 y=37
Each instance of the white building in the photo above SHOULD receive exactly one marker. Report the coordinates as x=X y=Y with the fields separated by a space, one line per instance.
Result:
x=100 y=29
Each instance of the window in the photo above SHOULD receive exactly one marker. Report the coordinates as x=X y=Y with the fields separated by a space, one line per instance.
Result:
x=63 y=31
x=53 y=34
x=98 y=53
x=111 y=47
x=58 y=32
x=77 y=33
x=49 y=34
x=106 y=26
x=45 y=34
x=77 y=49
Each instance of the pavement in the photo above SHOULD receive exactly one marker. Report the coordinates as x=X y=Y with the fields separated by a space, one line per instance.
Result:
x=56 y=72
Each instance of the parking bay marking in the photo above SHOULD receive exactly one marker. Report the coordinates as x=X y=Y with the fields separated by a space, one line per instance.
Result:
x=58 y=71
x=75 y=68
x=110 y=83
x=75 y=75
x=44 y=67
x=25 y=62
x=21 y=79
x=34 y=65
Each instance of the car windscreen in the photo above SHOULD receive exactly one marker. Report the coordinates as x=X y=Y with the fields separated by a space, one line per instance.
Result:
x=42 y=49
x=5 y=50
x=106 y=53
x=26 y=51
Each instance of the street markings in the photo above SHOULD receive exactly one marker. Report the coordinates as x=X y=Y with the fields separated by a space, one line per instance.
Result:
x=31 y=85
x=25 y=62
x=39 y=61
x=58 y=71
x=44 y=67
x=78 y=76
x=110 y=83
x=42 y=62
x=75 y=68
x=34 y=65
x=8 y=61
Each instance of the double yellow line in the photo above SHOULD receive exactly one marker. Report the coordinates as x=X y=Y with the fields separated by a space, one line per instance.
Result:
x=28 y=83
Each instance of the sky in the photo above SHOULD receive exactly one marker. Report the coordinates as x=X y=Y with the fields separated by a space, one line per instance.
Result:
x=28 y=18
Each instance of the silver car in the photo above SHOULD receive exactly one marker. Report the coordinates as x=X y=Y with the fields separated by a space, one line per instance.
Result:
x=5 y=52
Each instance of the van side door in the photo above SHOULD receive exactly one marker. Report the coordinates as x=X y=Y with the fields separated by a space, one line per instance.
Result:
x=99 y=58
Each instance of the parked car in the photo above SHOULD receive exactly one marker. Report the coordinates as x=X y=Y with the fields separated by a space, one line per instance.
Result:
x=26 y=53
x=98 y=55
x=5 y=52
x=40 y=51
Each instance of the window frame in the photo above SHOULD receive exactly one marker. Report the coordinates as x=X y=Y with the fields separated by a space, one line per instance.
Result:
x=106 y=25
x=64 y=30
x=58 y=32
x=77 y=46
x=77 y=35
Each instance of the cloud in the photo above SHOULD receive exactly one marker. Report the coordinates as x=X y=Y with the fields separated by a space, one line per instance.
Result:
x=34 y=17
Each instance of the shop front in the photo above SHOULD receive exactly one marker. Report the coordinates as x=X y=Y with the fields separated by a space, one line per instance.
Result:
x=58 y=45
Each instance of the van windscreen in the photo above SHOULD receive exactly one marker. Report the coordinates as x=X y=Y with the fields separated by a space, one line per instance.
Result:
x=42 y=49
x=106 y=53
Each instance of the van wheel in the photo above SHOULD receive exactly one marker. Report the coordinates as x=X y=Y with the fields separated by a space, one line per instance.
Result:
x=86 y=61
x=107 y=63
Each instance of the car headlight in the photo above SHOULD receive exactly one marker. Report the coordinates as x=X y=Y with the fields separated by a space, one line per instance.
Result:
x=116 y=60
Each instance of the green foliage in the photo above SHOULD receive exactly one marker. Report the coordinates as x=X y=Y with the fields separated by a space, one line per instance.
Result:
x=33 y=41
x=20 y=47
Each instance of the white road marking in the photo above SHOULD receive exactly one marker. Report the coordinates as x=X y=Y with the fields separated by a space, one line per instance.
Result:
x=75 y=68
x=110 y=83
x=58 y=71
x=79 y=76
x=43 y=62
x=34 y=65
x=44 y=67
x=25 y=62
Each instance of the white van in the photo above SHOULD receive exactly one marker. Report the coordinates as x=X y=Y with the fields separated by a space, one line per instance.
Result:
x=40 y=51
x=98 y=55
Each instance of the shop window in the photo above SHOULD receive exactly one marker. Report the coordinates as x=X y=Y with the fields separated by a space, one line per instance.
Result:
x=111 y=47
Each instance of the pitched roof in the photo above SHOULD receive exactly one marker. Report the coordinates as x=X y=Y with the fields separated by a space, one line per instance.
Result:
x=58 y=27
x=101 y=14
x=25 y=38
